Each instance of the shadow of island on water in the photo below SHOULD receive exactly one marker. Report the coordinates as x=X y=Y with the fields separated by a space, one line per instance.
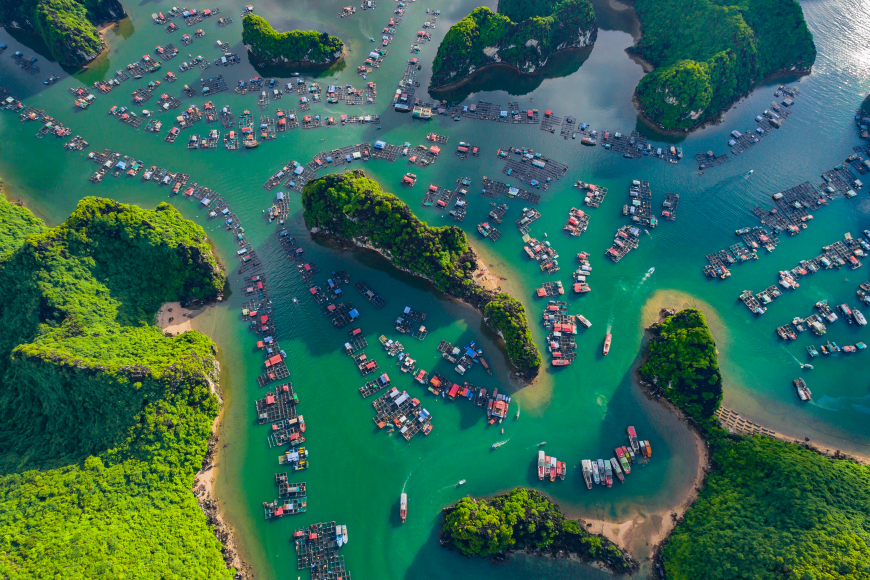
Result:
x=508 y=78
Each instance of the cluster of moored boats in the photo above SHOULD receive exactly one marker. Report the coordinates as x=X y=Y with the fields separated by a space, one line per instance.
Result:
x=601 y=471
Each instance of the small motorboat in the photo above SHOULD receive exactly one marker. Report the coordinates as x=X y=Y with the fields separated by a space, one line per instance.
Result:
x=461 y=482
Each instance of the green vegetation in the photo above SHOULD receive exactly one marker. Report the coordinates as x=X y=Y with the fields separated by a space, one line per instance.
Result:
x=523 y=33
x=769 y=509
x=773 y=510
x=682 y=360
x=507 y=315
x=717 y=52
x=66 y=26
x=16 y=223
x=354 y=207
x=294 y=46
x=523 y=519
x=105 y=420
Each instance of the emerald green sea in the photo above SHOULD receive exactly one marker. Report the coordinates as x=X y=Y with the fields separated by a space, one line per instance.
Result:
x=357 y=472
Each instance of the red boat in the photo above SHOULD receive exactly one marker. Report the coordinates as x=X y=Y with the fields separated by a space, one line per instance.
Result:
x=607 y=340
x=564 y=468
x=561 y=362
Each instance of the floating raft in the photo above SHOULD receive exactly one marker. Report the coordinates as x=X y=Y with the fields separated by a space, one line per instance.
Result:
x=277 y=406
x=493 y=188
x=317 y=549
x=370 y=294
x=402 y=411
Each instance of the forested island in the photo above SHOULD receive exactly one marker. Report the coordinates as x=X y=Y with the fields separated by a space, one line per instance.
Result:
x=524 y=519
x=104 y=419
x=522 y=34
x=66 y=26
x=769 y=509
x=707 y=54
x=353 y=208
x=293 y=47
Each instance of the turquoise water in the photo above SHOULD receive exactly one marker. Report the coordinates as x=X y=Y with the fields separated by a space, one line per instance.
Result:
x=358 y=472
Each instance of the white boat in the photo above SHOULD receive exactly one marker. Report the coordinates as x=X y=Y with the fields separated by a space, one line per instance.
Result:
x=339 y=539
x=461 y=482
x=498 y=444
x=344 y=533
x=651 y=271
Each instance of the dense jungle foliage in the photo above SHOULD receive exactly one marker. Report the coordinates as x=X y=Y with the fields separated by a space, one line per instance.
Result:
x=772 y=510
x=104 y=420
x=682 y=361
x=716 y=52
x=295 y=45
x=508 y=316
x=66 y=26
x=769 y=509
x=354 y=207
x=16 y=223
x=523 y=33
x=523 y=519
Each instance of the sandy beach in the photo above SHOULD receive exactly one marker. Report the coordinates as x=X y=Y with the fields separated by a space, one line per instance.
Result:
x=174 y=319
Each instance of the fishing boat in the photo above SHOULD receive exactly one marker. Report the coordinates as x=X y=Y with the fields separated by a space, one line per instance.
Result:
x=403 y=507
x=588 y=141
x=541 y=464
x=608 y=478
x=623 y=460
x=344 y=533
x=587 y=472
x=802 y=390
x=498 y=444
x=632 y=438
x=647 y=449
x=485 y=366
x=615 y=464
x=339 y=539
x=564 y=470
x=642 y=449
x=607 y=340
x=601 y=472
x=595 y=475
x=584 y=321
x=552 y=469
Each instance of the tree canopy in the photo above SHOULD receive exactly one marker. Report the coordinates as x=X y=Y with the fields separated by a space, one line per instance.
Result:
x=717 y=52
x=522 y=33
x=66 y=26
x=682 y=360
x=104 y=419
x=354 y=207
x=522 y=519
x=267 y=44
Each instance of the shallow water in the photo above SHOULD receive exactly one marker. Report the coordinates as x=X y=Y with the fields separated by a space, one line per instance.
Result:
x=357 y=472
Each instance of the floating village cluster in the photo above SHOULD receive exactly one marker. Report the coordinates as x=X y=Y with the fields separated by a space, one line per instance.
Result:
x=601 y=471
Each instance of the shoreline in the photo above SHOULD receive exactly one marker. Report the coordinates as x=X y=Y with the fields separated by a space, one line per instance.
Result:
x=642 y=535
x=342 y=244
x=540 y=72
x=204 y=479
x=203 y=489
x=717 y=118
x=257 y=61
